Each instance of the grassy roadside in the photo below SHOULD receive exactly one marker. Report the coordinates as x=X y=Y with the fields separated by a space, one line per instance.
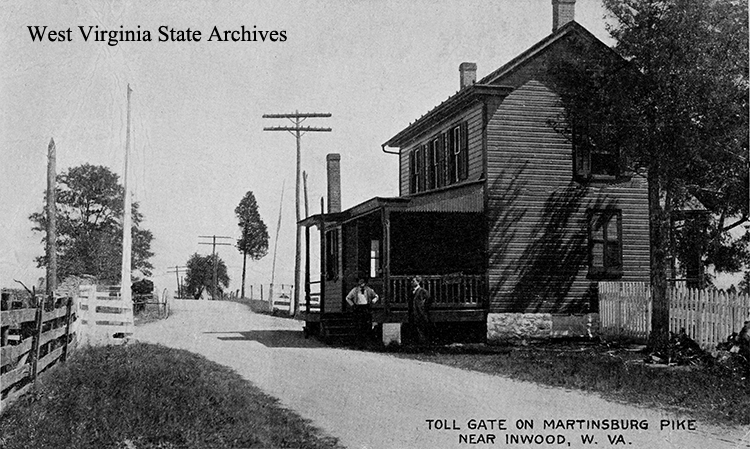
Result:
x=709 y=393
x=150 y=396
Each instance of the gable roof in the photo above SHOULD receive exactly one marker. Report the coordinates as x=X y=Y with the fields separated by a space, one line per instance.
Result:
x=490 y=84
x=569 y=29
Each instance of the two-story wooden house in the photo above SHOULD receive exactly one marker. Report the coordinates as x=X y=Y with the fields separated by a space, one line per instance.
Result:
x=508 y=218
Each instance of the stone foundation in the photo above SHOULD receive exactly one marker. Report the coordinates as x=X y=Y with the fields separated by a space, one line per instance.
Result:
x=504 y=327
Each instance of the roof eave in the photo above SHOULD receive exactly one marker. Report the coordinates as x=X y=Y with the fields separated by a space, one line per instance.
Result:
x=467 y=95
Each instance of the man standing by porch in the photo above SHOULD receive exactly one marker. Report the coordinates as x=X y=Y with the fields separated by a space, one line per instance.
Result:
x=422 y=303
x=360 y=298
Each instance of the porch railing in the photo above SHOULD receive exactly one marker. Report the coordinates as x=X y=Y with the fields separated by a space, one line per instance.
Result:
x=446 y=291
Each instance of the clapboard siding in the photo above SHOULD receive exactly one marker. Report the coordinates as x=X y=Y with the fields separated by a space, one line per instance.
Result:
x=334 y=287
x=537 y=213
x=403 y=172
x=474 y=118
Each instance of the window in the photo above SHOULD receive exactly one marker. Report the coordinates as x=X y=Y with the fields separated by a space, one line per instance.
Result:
x=463 y=159
x=458 y=153
x=605 y=243
x=431 y=167
x=375 y=258
x=592 y=160
x=439 y=158
x=332 y=254
x=416 y=167
x=454 y=153
x=442 y=161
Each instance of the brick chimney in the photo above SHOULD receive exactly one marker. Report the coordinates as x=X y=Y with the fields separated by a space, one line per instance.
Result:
x=563 y=11
x=333 y=169
x=468 y=72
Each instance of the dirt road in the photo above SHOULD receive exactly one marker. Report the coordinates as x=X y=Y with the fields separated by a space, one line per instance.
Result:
x=378 y=401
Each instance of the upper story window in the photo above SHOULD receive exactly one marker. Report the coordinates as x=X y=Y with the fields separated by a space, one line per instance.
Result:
x=431 y=182
x=593 y=161
x=454 y=153
x=605 y=243
x=416 y=170
x=436 y=160
x=444 y=160
x=438 y=148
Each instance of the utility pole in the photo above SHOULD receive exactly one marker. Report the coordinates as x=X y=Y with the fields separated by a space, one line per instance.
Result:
x=126 y=278
x=276 y=245
x=297 y=131
x=304 y=179
x=51 y=220
x=177 y=275
x=214 y=258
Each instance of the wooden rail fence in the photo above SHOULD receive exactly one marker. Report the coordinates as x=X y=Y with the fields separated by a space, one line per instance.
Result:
x=708 y=316
x=32 y=340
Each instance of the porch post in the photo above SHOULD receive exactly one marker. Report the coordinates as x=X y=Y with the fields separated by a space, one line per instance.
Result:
x=307 y=269
x=323 y=265
x=386 y=221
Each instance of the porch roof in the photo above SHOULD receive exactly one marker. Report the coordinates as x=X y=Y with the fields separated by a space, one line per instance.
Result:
x=360 y=209
x=467 y=197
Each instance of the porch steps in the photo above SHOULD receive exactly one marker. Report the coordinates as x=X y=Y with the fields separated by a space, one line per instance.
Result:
x=339 y=327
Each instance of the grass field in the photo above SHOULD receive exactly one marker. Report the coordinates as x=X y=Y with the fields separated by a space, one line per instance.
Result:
x=149 y=396
x=706 y=392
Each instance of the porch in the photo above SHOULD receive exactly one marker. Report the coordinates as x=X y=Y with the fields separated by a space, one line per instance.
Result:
x=456 y=297
x=388 y=241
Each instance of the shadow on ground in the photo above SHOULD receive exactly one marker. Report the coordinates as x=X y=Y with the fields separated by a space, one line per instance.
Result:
x=272 y=338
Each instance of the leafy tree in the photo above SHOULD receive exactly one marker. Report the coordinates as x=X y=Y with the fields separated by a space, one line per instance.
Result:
x=745 y=284
x=141 y=289
x=675 y=109
x=254 y=240
x=200 y=275
x=89 y=226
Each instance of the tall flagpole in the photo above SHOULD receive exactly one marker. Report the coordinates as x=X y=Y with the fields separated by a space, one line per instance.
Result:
x=127 y=244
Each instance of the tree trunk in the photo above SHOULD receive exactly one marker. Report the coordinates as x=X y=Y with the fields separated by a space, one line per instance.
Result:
x=659 y=230
x=244 y=265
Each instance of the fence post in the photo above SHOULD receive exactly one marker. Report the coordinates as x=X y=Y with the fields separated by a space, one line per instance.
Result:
x=618 y=312
x=69 y=306
x=37 y=338
x=699 y=304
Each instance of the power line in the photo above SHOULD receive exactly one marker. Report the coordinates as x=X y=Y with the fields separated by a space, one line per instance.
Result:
x=214 y=244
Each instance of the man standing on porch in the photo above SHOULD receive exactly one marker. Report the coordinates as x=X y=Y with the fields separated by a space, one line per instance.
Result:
x=360 y=298
x=422 y=302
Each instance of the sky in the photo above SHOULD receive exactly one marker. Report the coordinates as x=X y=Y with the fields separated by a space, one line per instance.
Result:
x=197 y=126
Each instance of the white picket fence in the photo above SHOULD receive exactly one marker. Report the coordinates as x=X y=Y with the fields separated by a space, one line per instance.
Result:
x=708 y=316
x=104 y=317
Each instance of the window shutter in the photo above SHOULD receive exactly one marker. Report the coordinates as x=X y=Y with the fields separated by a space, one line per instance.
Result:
x=418 y=165
x=425 y=168
x=441 y=155
x=412 y=172
x=464 y=157
x=451 y=157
